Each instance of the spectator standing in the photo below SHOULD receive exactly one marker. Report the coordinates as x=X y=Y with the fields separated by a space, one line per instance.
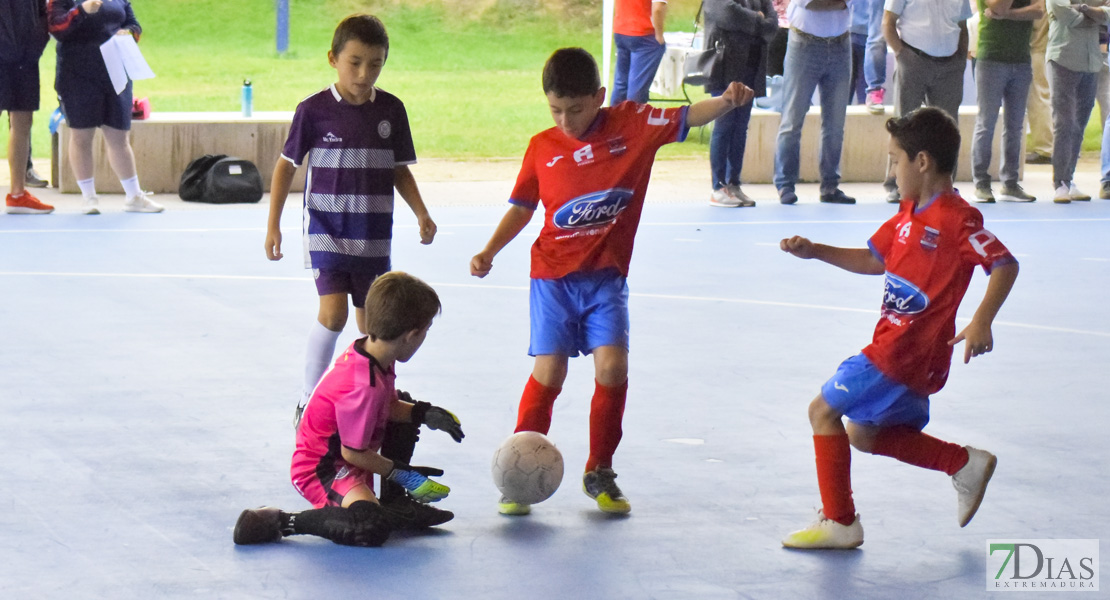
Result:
x=1074 y=60
x=638 y=27
x=818 y=57
x=930 y=40
x=743 y=30
x=23 y=37
x=1039 y=149
x=1003 y=74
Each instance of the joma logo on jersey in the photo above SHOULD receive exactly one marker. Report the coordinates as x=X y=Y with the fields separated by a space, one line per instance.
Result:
x=592 y=209
x=903 y=297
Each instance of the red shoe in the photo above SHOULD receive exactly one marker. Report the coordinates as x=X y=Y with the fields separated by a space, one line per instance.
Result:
x=26 y=204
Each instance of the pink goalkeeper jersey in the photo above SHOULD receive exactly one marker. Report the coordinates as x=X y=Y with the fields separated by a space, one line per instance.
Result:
x=349 y=407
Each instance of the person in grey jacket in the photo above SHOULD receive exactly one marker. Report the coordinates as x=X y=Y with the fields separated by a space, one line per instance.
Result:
x=742 y=31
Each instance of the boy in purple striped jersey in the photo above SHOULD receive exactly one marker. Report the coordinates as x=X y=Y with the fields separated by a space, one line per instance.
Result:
x=358 y=144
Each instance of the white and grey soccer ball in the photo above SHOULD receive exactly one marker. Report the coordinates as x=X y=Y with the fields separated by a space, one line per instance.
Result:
x=527 y=468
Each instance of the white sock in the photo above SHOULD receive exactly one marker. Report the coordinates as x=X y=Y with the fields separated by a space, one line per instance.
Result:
x=131 y=186
x=88 y=188
x=321 y=349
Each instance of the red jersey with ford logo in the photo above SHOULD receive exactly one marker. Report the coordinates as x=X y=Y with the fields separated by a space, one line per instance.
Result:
x=930 y=254
x=593 y=188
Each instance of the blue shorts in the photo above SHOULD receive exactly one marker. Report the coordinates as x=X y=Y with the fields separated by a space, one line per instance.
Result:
x=861 y=392
x=578 y=313
x=87 y=104
x=334 y=281
x=19 y=86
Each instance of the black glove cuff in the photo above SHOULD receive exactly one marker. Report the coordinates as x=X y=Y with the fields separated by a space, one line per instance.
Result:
x=419 y=411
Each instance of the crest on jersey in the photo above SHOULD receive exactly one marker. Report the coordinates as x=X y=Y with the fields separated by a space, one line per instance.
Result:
x=929 y=238
x=902 y=297
x=593 y=209
x=385 y=129
x=617 y=146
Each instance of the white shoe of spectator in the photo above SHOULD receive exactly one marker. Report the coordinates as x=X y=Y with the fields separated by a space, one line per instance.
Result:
x=721 y=197
x=142 y=203
x=91 y=206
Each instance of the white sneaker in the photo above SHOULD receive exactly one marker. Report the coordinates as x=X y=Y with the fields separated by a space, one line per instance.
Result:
x=826 y=534
x=735 y=191
x=971 y=482
x=721 y=197
x=91 y=206
x=1061 y=196
x=142 y=203
x=1077 y=196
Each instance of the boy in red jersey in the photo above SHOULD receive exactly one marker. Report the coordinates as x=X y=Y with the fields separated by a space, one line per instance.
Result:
x=357 y=424
x=591 y=172
x=928 y=252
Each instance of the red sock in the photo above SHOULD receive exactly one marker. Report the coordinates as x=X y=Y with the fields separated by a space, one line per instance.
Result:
x=834 y=477
x=606 y=414
x=920 y=449
x=536 y=403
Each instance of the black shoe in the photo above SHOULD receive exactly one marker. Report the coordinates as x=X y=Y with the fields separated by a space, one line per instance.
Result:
x=405 y=513
x=787 y=196
x=33 y=180
x=837 y=197
x=258 y=526
x=1036 y=158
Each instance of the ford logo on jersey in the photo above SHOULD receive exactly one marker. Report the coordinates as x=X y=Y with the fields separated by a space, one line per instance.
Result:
x=903 y=297
x=592 y=209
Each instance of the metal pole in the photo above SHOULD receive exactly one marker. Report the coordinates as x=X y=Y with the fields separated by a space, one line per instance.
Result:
x=282 y=26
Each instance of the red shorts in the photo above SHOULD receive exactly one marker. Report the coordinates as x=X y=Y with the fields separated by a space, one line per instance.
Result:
x=328 y=490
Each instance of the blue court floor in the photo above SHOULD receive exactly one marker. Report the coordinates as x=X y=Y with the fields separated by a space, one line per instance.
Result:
x=150 y=365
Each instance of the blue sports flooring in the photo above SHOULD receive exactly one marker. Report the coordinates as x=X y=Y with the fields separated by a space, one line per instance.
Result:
x=150 y=365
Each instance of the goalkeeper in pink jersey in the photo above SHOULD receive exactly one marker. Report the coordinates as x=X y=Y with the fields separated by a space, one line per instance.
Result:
x=356 y=424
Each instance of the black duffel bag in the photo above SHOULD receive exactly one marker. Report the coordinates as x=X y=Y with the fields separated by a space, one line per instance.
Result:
x=220 y=179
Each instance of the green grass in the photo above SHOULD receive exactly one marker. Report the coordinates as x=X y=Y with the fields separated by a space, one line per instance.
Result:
x=471 y=83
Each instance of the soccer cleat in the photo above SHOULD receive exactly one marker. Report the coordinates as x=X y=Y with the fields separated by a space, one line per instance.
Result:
x=1077 y=196
x=984 y=195
x=258 y=526
x=508 y=507
x=600 y=485
x=1061 y=196
x=721 y=197
x=402 y=512
x=787 y=196
x=1014 y=193
x=826 y=534
x=875 y=102
x=33 y=179
x=91 y=206
x=142 y=204
x=26 y=204
x=971 y=482
x=743 y=199
x=837 y=197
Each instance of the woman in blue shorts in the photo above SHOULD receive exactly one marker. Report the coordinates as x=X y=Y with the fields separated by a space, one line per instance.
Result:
x=89 y=100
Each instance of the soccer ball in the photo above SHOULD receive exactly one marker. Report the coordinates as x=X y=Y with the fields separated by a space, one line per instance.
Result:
x=527 y=468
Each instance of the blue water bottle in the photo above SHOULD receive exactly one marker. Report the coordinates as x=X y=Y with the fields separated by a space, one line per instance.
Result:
x=247 y=99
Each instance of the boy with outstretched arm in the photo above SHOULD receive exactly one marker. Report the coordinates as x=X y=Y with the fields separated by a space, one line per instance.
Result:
x=928 y=252
x=358 y=147
x=591 y=173
x=357 y=424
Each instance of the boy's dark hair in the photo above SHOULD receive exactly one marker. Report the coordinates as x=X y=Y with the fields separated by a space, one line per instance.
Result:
x=571 y=72
x=930 y=130
x=397 y=304
x=367 y=29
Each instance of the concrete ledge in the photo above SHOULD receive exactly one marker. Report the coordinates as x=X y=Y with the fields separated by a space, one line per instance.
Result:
x=165 y=143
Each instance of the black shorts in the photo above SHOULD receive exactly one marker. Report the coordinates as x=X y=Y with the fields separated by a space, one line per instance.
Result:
x=19 y=86
x=87 y=104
